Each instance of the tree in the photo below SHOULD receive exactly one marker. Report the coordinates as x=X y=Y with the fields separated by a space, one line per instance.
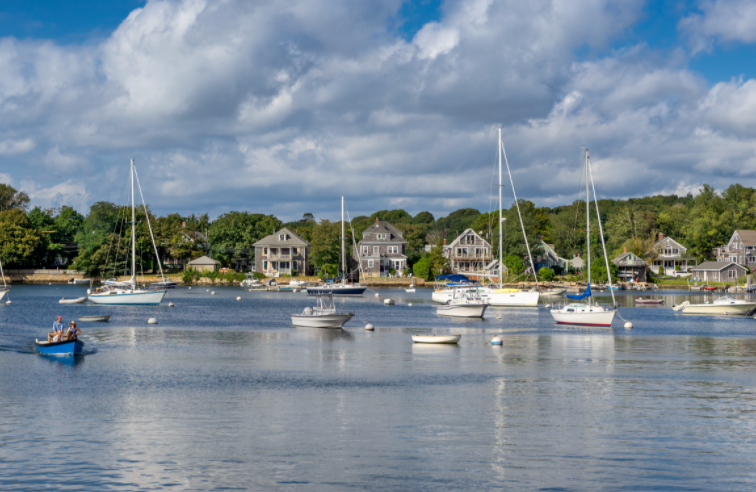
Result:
x=414 y=234
x=423 y=218
x=10 y=198
x=20 y=243
x=308 y=217
x=422 y=268
x=439 y=264
x=514 y=264
x=393 y=217
x=325 y=245
x=233 y=235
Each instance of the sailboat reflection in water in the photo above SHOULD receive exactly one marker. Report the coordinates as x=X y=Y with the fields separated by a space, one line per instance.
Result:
x=588 y=313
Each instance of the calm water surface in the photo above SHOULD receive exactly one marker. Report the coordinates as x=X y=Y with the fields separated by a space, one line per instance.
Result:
x=226 y=395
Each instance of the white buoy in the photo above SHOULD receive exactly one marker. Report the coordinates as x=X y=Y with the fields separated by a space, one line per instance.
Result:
x=410 y=304
x=548 y=306
x=388 y=302
x=498 y=316
x=8 y=302
x=170 y=304
x=49 y=284
x=190 y=288
x=212 y=293
x=369 y=327
x=628 y=325
x=377 y=294
x=152 y=321
x=238 y=298
x=497 y=340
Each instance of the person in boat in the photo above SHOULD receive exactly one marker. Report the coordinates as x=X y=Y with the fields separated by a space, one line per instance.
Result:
x=73 y=331
x=57 y=332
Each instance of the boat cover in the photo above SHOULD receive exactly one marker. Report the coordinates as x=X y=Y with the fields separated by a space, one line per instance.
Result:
x=580 y=297
x=454 y=278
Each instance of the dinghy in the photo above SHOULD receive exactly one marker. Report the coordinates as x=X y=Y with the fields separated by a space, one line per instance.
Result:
x=66 y=347
x=78 y=300
x=641 y=300
x=98 y=318
x=448 y=339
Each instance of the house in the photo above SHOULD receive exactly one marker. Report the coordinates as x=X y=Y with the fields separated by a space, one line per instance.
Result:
x=631 y=267
x=741 y=249
x=381 y=248
x=282 y=253
x=545 y=256
x=671 y=256
x=718 y=271
x=204 y=264
x=492 y=270
x=469 y=254
x=576 y=263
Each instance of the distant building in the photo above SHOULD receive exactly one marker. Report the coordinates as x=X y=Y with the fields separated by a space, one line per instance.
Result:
x=717 y=271
x=576 y=263
x=282 y=253
x=631 y=267
x=671 y=256
x=545 y=256
x=469 y=254
x=741 y=249
x=381 y=248
x=204 y=264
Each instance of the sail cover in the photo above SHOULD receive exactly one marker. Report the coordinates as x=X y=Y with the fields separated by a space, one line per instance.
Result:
x=580 y=297
x=454 y=278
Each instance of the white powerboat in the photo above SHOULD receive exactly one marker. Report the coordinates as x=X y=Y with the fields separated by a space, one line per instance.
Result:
x=79 y=281
x=78 y=300
x=446 y=339
x=323 y=315
x=722 y=306
x=463 y=305
x=443 y=293
x=127 y=293
x=588 y=313
x=250 y=280
x=297 y=283
x=553 y=292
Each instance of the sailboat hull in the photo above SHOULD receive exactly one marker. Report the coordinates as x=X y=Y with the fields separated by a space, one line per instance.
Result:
x=584 y=317
x=512 y=299
x=146 y=298
x=337 y=290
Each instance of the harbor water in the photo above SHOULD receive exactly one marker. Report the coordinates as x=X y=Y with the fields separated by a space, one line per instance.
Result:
x=224 y=394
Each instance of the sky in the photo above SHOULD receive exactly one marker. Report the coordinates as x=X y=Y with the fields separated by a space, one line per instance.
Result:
x=282 y=107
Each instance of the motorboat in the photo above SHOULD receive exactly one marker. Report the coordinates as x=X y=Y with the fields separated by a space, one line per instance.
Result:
x=297 y=283
x=127 y=293
x=640 y=300
x=588 y=313
x=74 y=281
x=722 y=306
x=463 y=305
x=95 y=318
x=411 y=287
x=447 y=284
x=324 y=315
x=165 y=284
x=66 y=347
x=78 y=300
x=250 y=280
x=337 y=289
x=255 y=287
x=553 y=292
x=444 y=339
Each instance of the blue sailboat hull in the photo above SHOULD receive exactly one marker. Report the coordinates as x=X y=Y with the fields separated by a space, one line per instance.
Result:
x=66 y=347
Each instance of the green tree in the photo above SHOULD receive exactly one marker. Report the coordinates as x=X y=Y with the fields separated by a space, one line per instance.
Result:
x=439 y=264
x=423 y=218
x=514 y=264
x=422 y=268
x=20 y=243
x=10 y=198
x=325 y=245
x=233 y=235
x=414 y=234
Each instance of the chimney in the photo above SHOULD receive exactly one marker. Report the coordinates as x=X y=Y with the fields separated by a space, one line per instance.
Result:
x=444 y=241
x=376 y=222
x=183 y=224
x=661 y=236
x=625 y=250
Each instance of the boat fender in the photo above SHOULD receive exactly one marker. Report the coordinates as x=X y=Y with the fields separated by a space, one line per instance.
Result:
x=369 y=327
x=89 y=291
x=628 y=325
x=152 y=321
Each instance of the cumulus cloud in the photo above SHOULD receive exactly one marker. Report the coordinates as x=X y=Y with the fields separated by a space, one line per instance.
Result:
x=725 y=20
x=282 y=107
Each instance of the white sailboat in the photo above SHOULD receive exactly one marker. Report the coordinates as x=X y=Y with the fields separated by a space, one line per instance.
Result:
x=4 y=289
x=588 y=313
x=127 y=293
x=510 y=297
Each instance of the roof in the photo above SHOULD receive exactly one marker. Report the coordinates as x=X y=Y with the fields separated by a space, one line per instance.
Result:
x=746 y=237
x=715 y=266
x=630 y=257
x=291 y=240
x=465 y=233
x=382 y=226
x=204 y=260
x=668 y=239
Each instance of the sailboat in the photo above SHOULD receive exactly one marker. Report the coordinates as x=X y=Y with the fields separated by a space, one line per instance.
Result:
x=4 y=289
x=510 y=297
x=588 y=313
x=343 y=288
x=127 y=293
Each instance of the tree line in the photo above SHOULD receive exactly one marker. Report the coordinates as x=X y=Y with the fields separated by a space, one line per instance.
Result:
x=99 y=241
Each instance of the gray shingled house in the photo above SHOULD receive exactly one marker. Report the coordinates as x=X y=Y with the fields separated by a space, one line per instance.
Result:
x=382 y=248
x=282 y=253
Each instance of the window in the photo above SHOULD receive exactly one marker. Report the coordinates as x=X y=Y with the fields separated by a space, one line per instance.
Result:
x=282 y=237
x=376 y=250
x=364 y=250
x=733 y=259
x=265 y=251
x=732 y=274
x=393 y=250
x=295 y=251
x=370 y=263
x=381 y=236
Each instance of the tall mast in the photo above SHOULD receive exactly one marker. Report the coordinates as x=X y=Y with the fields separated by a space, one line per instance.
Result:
x=133 y=227
x=588 y=221
x=501 y=237
x=343 y=256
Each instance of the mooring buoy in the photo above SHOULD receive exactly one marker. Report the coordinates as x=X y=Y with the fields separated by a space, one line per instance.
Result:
x=369 y=327
x=497 y=340
x=628 y=325
x=152 y=321
x=170 y=304
x=238 y=298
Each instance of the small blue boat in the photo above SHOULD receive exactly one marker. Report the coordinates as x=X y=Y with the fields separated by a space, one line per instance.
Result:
x=66 y=347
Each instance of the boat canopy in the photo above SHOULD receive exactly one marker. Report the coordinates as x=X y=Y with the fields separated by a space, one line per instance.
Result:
x=454 y=278
x=580 y=297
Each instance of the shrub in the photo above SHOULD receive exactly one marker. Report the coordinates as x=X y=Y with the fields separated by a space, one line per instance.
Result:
x=422 y=268
x=546 y=274
x=258 y=275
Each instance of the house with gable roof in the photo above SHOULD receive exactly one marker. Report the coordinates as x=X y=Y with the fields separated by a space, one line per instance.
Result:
x=381 y=249
x=282 y=253
x=631 y=267
x=741 y=249
x=671 y=256
x=470 y=255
